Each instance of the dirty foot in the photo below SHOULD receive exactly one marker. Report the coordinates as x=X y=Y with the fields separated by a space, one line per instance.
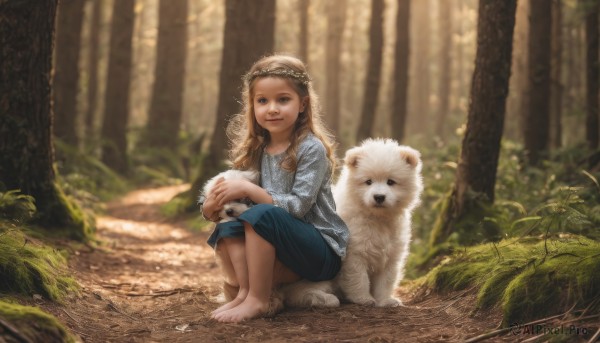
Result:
x=233 y=303
x=250 y=308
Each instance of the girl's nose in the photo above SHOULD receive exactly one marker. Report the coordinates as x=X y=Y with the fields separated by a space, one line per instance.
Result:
x=273 y=108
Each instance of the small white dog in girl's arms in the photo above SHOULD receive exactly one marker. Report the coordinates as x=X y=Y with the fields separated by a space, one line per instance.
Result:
x=232 y=209
x=378 y=189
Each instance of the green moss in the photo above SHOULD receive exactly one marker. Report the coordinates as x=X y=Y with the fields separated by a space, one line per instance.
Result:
x=67 y=218
x=28 y=267
x=84 y=177
x=524 y=280
x=178 y=205
x=439 y=232
x=34 y=324
x=15 y=206
x=148 y=176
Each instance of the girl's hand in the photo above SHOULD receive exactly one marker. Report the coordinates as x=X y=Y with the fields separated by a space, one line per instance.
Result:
x=210 y=207
x=228 y=190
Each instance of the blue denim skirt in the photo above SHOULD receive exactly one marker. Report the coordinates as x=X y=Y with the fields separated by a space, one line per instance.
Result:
x=298 y=244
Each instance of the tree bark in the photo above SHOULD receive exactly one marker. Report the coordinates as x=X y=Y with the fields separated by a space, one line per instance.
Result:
x=66 y=70
x=518 y=99
x=420 y=90
x=116 y=112
x=537 y=129
x=26 y=161
x=166 y=108
x=476 y=173
x=373 y=77
x=556 y=90
x=445 y=66
x=336 y=20
x=592 y=69
x=303 y=6
x=249 y=34
x=93 y=80
x=401 y=69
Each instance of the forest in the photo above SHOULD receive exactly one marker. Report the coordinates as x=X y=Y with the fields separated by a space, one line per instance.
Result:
x=115 y=113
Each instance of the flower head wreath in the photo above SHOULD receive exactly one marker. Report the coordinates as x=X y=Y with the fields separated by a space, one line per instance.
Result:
x=302 y=77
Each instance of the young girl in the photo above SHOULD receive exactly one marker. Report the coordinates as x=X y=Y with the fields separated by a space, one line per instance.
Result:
x=293 y=232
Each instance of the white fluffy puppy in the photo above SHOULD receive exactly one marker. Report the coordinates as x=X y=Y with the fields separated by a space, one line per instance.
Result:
x=234 y=208
x=378 y=188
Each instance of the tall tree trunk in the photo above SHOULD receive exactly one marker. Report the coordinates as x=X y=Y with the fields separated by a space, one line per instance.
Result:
x=518 y=98
x=445 y=66
x=476 y=173
x=336 y=19
x=93 y=80
x=66 y=72
x=26 y=42
x=373 y=78
x=420 y=88
x=249 y=34
x=303 y=6
x=592 y=69
x=116 y=111
x=536 y=129
x=556 y=85
x=401 y=69
x=166 y=108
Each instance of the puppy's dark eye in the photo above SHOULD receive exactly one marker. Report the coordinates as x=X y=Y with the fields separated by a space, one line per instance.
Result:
x=391 y=182
x=369 y=182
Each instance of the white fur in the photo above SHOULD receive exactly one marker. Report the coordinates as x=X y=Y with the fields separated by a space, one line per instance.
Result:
x=378 y=188
x=232 y=209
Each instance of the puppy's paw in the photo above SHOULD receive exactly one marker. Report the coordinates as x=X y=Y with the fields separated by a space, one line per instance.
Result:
x=363 y=300
x=275 y=304
x=389 y=302
x=326 y=300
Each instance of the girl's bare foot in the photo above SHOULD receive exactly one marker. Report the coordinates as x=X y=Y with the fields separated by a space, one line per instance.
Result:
x=233 y=303
x=250 y=308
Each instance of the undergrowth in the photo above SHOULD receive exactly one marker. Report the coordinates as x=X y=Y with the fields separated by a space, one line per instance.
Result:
x=559 y=196
x=527 y=278
x=86 y=178
x=546 y=258
x=30 y=268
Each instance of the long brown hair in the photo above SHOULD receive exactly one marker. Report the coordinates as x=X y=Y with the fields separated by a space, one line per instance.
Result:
x=248 y=139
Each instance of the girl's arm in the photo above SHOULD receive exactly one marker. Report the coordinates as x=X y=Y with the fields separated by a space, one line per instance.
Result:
x=238 y=189
x=311 y=173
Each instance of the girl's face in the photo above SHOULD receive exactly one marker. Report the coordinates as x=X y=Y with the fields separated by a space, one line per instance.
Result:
x=276 y=106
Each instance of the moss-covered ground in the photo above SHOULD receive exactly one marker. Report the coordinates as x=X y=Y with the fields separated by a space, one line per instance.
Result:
x=30 y=324
x=29 y=268
x=528 y=278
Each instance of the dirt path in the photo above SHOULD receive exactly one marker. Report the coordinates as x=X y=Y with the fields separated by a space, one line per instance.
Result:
x=155 y=281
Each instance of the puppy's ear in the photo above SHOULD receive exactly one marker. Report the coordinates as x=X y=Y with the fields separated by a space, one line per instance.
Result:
x=352 y=157
x=410 y=155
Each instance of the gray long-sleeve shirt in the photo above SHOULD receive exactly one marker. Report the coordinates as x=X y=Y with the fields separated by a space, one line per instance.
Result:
x=306 y=193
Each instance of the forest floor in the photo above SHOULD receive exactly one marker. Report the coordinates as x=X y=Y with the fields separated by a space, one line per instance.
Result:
x=154 y=280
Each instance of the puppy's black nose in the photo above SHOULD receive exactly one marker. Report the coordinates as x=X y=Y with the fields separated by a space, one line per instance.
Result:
x=379 y=198
x=229 y=212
